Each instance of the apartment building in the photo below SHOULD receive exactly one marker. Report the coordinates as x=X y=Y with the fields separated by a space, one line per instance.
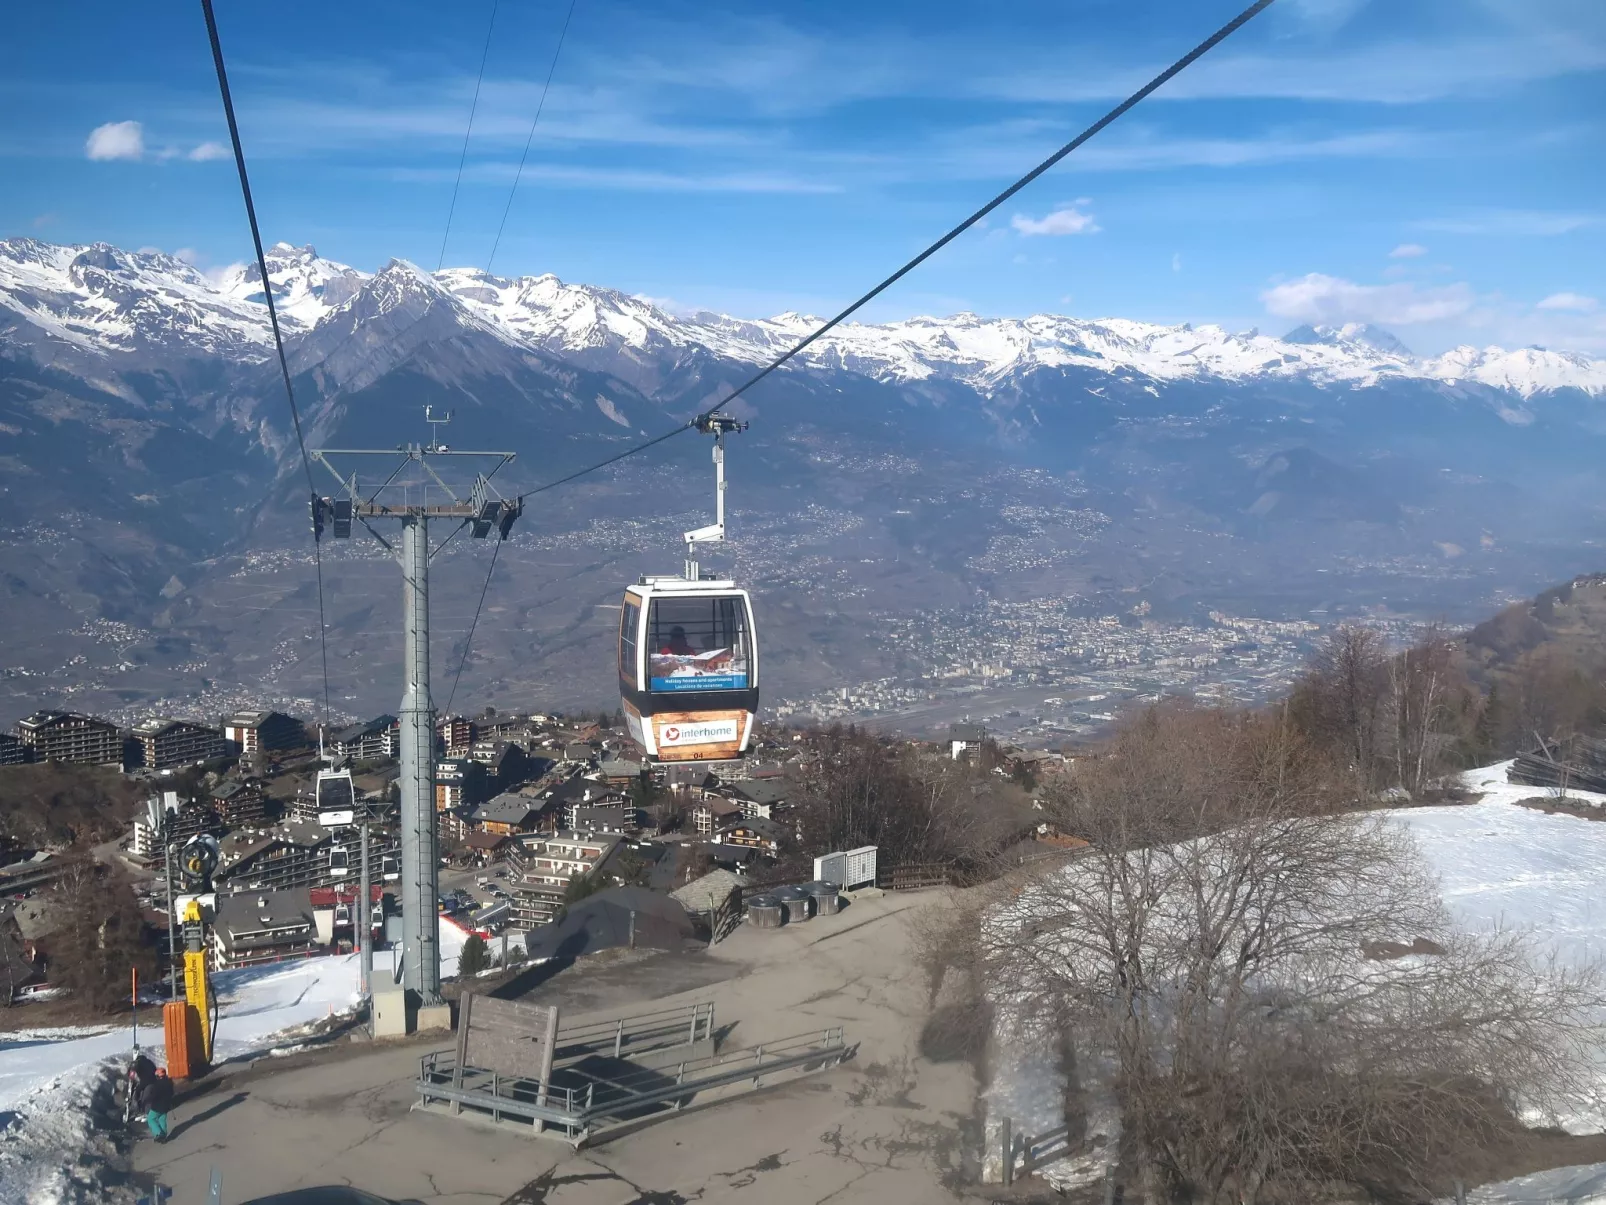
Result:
x=67 y=736
x=164 y=743
x=255 y=732
x=544 y=867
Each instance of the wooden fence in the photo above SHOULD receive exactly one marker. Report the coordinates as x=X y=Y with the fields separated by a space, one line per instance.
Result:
x=1024 y=1153
x=915 y=875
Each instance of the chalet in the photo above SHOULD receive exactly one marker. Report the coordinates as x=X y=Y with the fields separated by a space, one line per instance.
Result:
x=704 y=896
x=67 y=736
x=336 y=915
x=379 y=737
x=578 y=751
x=506 y=815
x=759 y=834
x=1035 y=762
x=486 y=848
x=302 y=803
x=621 y=772
x=460 y=783
x=506 y=763
x=688 y=780
x=180 y=822
x=292 y=854
x=254 y=732
x=13 y=752
x=962 y=738
x=239 y=804
x=259 y=927
x=451 y=824
x=163 y=744
x=711 y=813
x=455 y=733
x=736 y=858
x=18 y=967
x=545 y=866
x=759 y=798
x=613 y=817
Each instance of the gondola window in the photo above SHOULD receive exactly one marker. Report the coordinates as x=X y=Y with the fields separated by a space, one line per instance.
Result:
x=698 y=644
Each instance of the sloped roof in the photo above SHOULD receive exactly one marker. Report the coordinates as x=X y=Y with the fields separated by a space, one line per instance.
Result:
x=249 y=911
x=604 y=921
x=506 y=808
x=759 y=825
x=762 y=791
x=709 y=892
x=358 y=731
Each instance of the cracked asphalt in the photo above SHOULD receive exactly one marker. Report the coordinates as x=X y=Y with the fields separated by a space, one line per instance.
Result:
x=888 y=1126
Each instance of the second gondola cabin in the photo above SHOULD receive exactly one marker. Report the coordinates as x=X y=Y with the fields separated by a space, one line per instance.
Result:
x=688 y=668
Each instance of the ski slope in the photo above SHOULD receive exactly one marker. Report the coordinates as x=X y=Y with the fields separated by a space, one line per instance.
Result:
x=52 y=1081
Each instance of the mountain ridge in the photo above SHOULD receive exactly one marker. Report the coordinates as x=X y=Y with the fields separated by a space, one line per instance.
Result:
x=102 y=299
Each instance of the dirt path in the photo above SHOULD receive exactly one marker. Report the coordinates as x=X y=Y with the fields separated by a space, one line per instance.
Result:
x=887 y=1127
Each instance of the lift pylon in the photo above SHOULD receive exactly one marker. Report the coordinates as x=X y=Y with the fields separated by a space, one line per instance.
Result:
x=413 y=493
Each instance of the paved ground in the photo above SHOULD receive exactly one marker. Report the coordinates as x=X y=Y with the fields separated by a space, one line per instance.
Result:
x=887 y=1127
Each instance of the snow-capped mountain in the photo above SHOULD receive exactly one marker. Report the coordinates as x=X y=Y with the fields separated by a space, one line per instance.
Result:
x=144 y=430
x=102 y=299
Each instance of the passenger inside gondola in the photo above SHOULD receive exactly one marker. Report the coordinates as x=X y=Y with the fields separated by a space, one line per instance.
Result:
x=677 y=645
x=697 y=644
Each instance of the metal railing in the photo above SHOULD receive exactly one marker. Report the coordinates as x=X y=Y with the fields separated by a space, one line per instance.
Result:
x=582 y=1100
x=639 y=1033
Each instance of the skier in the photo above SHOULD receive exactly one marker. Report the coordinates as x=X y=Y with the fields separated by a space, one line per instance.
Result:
x=154 y=1093
x=139 y=1074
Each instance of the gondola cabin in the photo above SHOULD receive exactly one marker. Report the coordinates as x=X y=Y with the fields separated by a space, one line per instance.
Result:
x=336 y=798
x=688 y=668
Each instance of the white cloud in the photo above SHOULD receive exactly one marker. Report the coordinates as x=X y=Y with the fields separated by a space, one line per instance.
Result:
x=209 y=150
x=1061 y=221
x=116 y=140
x=1176 y=261
x=1408 y=251
x=1575 y=303
x=224 y=273
x=1515 y=222
x=1316 y=297
x=188 y=255
x=620 y=178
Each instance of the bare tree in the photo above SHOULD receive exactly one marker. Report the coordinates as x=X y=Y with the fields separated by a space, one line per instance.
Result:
x=1339 y=702
x=866 y=790
x=1227 y=949
x=102 y=936
x=1552 y=698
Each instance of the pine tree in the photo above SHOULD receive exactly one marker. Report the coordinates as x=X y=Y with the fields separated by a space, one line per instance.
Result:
x=1486 y=734
x=476 y=957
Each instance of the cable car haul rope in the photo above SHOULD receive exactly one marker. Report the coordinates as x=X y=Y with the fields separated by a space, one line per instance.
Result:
x=688 y=647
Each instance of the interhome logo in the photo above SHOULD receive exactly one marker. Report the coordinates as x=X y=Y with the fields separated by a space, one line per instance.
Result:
x=698 y=734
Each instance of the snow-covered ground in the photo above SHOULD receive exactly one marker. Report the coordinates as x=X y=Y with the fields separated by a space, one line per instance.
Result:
x=52 y=1081
x=1502 y=864
x=1499 y=864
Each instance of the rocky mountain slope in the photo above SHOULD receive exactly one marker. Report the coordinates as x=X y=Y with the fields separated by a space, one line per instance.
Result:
x=144 y=436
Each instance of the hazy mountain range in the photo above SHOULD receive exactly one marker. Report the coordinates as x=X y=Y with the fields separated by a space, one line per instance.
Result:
x=146 y=462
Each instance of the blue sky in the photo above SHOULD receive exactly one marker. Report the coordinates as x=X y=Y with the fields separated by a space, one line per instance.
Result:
x=1435 y=166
